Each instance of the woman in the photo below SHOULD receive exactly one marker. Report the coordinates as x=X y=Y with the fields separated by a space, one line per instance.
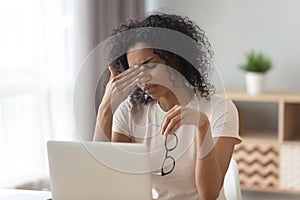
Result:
x=172 y=107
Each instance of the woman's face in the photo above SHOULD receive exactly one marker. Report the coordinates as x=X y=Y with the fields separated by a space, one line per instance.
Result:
x=159 y=83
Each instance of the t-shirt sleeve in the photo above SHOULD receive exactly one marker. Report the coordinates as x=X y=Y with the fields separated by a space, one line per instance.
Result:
x=224 y=122
x=121 y=119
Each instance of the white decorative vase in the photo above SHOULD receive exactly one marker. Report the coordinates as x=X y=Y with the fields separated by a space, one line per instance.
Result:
x=255 y=82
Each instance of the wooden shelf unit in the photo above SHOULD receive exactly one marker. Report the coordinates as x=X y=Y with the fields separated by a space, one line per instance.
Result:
x=268 y=157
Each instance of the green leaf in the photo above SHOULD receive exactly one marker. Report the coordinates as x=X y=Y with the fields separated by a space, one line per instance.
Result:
x=256 y=62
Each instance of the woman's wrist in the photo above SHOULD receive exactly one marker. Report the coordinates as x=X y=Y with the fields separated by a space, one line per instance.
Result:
x=204 y=123
x=105 y=108
x=104 y=122
x=204 y=138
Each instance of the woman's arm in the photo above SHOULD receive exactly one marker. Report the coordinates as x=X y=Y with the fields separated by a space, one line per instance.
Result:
x=104 y=122
x=119 y=137
x=103 y=131
x=105 y=113
x=214 y=156
x=117 y=87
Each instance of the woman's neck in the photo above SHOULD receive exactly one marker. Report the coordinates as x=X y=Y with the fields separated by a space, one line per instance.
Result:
x=170 y=100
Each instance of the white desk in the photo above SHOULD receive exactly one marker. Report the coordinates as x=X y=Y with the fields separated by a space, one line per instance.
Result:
x=11 y=194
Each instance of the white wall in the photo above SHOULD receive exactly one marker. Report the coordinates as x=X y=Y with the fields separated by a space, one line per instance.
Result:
x=236 y=26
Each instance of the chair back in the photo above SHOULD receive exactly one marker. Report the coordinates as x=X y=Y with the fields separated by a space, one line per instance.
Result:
x=232 y=188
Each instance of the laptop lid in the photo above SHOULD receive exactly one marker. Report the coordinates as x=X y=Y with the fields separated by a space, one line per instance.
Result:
x=99 y=170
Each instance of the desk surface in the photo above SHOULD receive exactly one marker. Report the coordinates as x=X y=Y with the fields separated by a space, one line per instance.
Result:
x=12 y=194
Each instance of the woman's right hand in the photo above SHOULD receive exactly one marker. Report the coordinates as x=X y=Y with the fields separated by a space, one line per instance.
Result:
x=116 y=90
x=120 y=84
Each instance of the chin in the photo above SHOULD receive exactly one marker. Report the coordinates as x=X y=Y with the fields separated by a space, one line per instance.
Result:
x=153 y=96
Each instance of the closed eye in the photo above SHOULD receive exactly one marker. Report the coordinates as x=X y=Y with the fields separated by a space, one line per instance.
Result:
x=150 y=65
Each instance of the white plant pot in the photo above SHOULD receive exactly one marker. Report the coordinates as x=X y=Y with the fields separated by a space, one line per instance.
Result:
x=255 y=82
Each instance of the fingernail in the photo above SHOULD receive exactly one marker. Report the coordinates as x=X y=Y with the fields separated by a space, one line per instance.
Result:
x=141 y=73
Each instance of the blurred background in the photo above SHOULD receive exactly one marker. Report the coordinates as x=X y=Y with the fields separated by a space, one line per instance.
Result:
x=44 y=42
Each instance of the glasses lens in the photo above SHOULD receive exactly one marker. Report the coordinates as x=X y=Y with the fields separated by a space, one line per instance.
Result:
x=171 y=142
x=168 y=165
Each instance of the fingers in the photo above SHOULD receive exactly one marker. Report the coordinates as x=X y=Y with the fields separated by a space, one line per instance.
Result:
x=128 y=87
x=113 y=72
x=136 y=74
x=120 y=84
x=173 y=125
x=171 y=119
x=132 y=71
x=126 y=84
x=128 y=76
x=125 y=81
x=178 y=116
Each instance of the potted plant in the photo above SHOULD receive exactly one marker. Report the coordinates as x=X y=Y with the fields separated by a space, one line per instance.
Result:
x=256 y=66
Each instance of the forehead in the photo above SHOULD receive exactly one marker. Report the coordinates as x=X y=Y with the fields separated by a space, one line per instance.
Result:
x=139 y=53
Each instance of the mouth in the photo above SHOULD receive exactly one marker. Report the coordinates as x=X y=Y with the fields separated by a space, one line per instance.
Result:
x=149 y=88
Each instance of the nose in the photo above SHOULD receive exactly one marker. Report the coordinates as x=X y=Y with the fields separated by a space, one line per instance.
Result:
x=147 y=78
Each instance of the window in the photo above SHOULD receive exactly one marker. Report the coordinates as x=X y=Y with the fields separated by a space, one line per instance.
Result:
x=36 y=81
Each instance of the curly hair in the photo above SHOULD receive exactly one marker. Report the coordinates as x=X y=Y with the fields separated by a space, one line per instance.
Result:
x=200 y=53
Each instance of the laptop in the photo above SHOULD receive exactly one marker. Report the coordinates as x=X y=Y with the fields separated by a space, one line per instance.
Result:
x=99 y=170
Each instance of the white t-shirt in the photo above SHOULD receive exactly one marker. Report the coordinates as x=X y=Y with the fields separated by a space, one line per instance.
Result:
x=143 y=126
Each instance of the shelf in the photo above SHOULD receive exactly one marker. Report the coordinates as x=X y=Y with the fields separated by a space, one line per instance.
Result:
x=291 y=142
x=295 y=138
x=258 y=118
x=270 y=190
x=265 y=97
x=270 y=129
x=243 y=96
x=260 y=136
x=291 y=122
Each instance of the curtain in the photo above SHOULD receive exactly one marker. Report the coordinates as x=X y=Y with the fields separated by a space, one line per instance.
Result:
x=95 y=20
x=36 y=76
x=113 y=12
x=43 y=43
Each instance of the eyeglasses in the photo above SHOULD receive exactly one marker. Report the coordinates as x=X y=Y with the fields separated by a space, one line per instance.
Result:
x=168 y=163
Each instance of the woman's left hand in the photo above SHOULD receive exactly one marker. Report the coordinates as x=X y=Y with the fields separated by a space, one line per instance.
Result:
x=181 y=115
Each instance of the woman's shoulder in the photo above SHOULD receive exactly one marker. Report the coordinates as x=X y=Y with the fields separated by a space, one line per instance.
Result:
x=215 y=102
x=213 y=99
